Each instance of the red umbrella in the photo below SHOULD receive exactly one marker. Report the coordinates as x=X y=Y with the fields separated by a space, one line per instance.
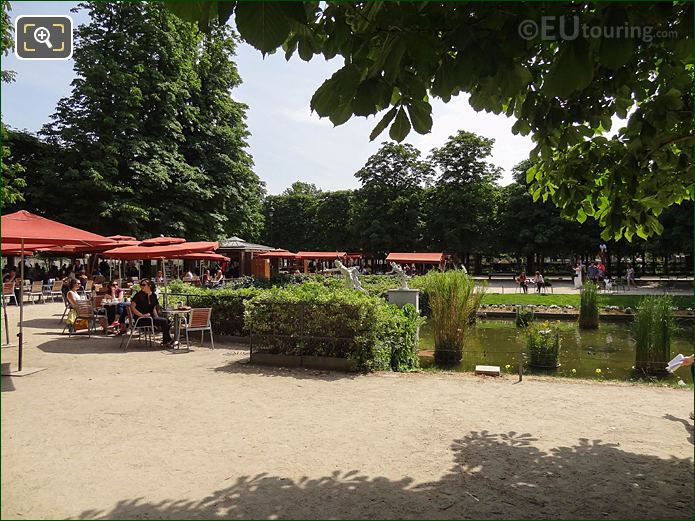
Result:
x=162 y=241
x=24 y=227
x=170 y=251
x=277 y=254
x=119 y=238
x=208 y=255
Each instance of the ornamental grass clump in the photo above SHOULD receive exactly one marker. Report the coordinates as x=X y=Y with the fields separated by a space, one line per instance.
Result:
x=654 y=327
x=524 y=316
x=588 y=310
x=543 y=342
x=453 y=304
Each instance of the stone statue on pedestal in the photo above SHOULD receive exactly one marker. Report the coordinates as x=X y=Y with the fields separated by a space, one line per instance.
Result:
x=402 y=277
x=349 y=274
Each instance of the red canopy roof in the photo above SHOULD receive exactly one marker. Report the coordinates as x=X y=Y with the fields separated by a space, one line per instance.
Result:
x=162 y=241
x=122 y=238
x=277 y=254
x=34 y=228
x=321 y=255
x=417 y=258
x=170 y=251
x=208 y=255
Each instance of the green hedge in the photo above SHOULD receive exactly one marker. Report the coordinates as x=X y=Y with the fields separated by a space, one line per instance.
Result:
x=227 y=305
x=312 y=319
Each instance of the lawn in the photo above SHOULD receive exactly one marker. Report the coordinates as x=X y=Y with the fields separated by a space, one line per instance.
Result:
x=632 y=301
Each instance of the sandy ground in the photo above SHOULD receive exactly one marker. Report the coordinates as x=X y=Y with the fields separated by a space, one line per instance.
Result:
x=150 y=434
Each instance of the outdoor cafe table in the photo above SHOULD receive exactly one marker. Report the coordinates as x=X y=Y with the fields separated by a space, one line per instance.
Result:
x=177 y=314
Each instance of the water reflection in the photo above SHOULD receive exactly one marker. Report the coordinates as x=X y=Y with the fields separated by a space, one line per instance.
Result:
x=610 y=349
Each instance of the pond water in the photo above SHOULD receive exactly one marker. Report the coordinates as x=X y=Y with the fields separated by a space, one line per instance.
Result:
x=611 y=349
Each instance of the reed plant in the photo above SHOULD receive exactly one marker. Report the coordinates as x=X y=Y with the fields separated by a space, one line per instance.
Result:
x=654 y=327
x=524 y=316
x=543 y=343
x=588 y=307
x=453 y=302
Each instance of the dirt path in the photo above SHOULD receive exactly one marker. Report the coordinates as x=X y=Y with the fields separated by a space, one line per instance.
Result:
x=149 y=434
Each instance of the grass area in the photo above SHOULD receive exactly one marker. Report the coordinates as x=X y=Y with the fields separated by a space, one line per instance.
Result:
x=632 y=301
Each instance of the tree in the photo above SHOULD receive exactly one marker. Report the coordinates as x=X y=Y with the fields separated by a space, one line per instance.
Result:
x=301 y=188
x=389 y=213
x=215 y=143
x=564 y=91
x=289 y=220
x=12 y=181
x=537 y=229
x=150 y=132
x=462 y=205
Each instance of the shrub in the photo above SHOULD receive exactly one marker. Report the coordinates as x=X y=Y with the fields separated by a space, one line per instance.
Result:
x=227 y=304
x=543 y=342
x=588 y=307
x=453 y=302
x=311 y=319
x=653 y=327
x=524 y=316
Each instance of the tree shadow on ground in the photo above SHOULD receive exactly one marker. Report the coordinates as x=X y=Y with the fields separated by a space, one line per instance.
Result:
x=6 y=381
x=686 y=424
x=494 y=476
x=244 y=366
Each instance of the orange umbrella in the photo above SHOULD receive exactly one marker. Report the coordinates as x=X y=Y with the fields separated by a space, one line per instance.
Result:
x=208 y=255
x=24 y=227
x=162 y=241
x=170 y=251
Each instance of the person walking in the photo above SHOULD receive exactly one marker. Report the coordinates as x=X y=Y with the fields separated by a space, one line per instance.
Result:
x=630 y=276
x=578 y=269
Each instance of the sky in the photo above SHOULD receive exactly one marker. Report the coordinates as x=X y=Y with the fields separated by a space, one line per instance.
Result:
x=288 y=142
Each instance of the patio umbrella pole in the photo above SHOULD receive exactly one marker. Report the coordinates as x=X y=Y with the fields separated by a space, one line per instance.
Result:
x=21 y=307
x=7 y=327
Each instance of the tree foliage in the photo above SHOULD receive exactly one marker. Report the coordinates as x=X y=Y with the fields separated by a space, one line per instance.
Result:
x=13 y=182
x=398 y=56
x=150 y=140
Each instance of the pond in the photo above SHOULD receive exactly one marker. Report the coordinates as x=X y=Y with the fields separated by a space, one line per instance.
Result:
x=611 y=349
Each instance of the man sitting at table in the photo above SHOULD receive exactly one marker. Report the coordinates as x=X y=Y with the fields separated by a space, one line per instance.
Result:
x=144 y=305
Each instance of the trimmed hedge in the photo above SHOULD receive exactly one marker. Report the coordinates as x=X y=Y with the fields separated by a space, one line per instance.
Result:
x=313 y=320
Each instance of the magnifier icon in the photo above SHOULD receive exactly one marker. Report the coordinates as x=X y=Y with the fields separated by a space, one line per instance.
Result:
x=43 y=35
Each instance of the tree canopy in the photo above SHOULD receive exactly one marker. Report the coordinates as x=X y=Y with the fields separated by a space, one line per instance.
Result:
x=398 y=56
x=149 y=135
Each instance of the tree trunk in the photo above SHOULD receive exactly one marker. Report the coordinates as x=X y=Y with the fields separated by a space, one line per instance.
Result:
x=478 y=264
x=666 y=264
x=530 y=264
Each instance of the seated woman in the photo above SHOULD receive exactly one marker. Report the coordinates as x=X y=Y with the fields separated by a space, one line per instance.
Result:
x=113 y=291
x=218 y=281
x=72 y=296
x=522 y=281
x=159 y=278
x=206 y=280
x=144 y=306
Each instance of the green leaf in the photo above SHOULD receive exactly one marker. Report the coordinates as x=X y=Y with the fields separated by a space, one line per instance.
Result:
x=263 y=24
x=581 y=215
x=572 y=69
x=401 y=127
x=379 y=128
x=615 y=52
x=420 y=116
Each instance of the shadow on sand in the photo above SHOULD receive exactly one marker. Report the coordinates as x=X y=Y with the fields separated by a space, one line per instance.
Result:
x=493 y=476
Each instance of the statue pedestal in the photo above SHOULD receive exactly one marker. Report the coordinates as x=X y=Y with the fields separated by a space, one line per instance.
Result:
x=401 y=297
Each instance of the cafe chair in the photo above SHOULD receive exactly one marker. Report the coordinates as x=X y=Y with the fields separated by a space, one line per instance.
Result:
x=198 y=320
x=36 y=291
x=144 y=326
x=56 y=290
x=8 y=292
x=85 y=311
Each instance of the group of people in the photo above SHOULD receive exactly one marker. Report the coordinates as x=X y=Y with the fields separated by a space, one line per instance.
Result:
x=523 y=281
x=144 y=307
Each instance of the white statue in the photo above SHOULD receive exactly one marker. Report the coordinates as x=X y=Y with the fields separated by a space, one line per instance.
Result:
x=350 y=275
x=395 y=268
